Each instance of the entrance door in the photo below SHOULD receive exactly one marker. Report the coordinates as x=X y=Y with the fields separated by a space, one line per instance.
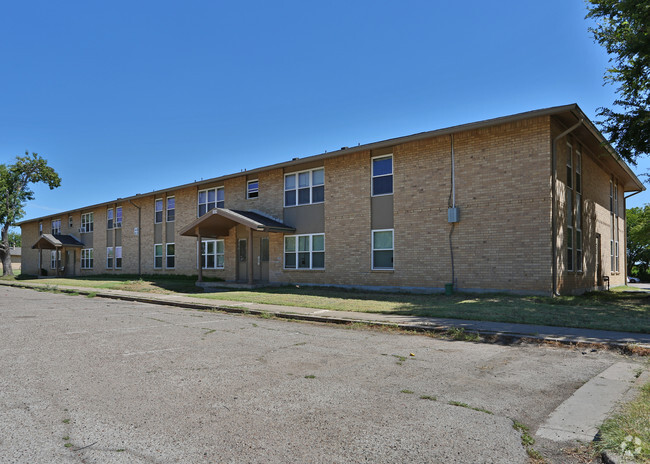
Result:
x=599 y=261
x=242 y=260
x=264 y=259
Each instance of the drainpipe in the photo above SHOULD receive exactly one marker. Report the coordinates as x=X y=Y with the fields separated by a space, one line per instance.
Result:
x=452 y=204
x=139 y=237
x=553 y=194
x=625 y=222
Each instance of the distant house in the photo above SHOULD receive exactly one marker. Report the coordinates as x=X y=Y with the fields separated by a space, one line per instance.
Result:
x=15 y=253
x=530 y=203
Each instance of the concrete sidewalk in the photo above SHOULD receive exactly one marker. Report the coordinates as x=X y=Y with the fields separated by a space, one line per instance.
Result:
x=504 y=330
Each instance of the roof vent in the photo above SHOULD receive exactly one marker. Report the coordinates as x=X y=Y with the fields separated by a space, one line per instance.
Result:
x=344 y=148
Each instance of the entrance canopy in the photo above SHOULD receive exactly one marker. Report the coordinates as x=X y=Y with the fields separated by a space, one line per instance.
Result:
x=52 y=242
x=219 y=221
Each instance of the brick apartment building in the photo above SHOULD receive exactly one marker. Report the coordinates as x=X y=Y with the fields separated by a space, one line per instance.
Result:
x=530 y=203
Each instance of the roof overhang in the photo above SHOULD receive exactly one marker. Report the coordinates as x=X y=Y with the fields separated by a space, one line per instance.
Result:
x=52 y=242
x=219 y=221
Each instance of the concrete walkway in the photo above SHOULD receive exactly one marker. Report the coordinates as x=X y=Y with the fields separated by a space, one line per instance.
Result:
x=502 y=330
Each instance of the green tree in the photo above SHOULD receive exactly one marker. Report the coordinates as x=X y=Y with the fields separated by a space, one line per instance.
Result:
x=15 y=239
x=623 y=28
x=638 y=239
x=15 y=180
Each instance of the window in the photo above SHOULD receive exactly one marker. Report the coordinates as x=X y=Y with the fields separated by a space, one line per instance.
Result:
x=611 y=197
x=382 y=249
x=304 y=251
x=382 y=175
x=212 y=254
x=109 y=218
x=304 y=188
x=70 y=222
x=118 y=257
x=55 y=258
x=569 y=210
x=109 y=257
x=171 y=209
x=170 y=254
x=616 y=250
x=157 y=256
x=616 y=198
x=158 y=209
x=243 y=250
x=210 y=199
x=56 y=227
x=40 y=228
x=87 y=258
x=87 y=222
x=252 y=189
x=118 y=217
x=578 y=219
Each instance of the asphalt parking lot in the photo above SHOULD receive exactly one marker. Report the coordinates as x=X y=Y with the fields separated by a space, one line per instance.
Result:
x=96 y=381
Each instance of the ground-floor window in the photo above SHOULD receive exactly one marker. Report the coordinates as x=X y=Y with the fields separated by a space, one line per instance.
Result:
x=55 y=258
x=304 y=251
x=170 y=255
x=118 y=257
x=87 y=258
x=157 y=255
x=212 y=254
x=382 y=249
x=109 y=258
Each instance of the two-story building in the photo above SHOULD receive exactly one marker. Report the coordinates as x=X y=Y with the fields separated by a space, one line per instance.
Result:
x=532 y=203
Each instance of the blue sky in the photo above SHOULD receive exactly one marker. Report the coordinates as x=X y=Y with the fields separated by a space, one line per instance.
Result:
x=129 y=97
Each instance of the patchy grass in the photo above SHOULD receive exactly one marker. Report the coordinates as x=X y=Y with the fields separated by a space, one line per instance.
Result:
x=623 y=308
x=408 y=392
x=310 y=376
x=628 y=433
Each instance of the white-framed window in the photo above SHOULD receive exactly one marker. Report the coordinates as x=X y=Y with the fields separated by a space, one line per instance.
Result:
x=158 y=210
x=382 y=249
x=611 y=249
x=304 y=187
x=616 y=198
x=118 y=257
x=616 y=248
x=87 y=222
x=170 y=256
x=55 y=258
x=157 y=256
x=109 y=219
x=570 y=247
x=382 y=175
x=70 y=222
x=109 y=257
x=212 y=254
x=611 y=196
x=210 y=199
x=118 y=217
x=40 y=228
x=56 y=226
x=87 y=258
x=252 y=189
x=304 y=251
x=171 y=209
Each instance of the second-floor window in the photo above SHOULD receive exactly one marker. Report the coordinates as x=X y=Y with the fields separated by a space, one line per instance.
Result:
x=118 y=217
x=171 y=209
x=210 y=199
x=304 y=188
x=56 y=227
x=109 y=219
x=382 y=175
x=87 y=222
x=252 y=189
x=158 y=209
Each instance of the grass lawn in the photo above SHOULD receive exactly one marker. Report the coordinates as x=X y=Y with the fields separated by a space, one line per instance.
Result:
x=628 y=433
x=614 y=310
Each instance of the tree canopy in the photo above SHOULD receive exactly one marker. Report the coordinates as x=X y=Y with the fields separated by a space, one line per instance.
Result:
x=15 y=191
x=638 y=239
x=623 y=28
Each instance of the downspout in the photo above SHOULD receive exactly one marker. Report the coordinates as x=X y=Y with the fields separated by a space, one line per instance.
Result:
x=452 y=204
x=139 y=237
x=553 y=199
x=625 y=222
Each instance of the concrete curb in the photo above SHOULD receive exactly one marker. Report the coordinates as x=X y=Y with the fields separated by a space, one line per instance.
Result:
x=490 y=336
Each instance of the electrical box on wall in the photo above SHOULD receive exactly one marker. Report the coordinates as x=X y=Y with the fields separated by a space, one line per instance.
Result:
x=453 y=215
